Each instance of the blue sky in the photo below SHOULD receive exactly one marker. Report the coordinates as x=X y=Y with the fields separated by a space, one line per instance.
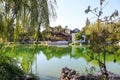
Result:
x=71 y=12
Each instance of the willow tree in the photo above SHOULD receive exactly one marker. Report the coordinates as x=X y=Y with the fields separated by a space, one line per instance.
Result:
x=16 y=14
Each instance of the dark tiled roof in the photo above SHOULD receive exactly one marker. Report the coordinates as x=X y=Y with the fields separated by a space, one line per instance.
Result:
x=75 y=30
x=59 y=33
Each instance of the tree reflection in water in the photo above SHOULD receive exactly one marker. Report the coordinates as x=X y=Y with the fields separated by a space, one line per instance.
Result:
x=102 y=51
x=102 y=54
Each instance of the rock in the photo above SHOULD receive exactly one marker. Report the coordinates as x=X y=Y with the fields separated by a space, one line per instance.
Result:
x=27 y=77
x=69 y=74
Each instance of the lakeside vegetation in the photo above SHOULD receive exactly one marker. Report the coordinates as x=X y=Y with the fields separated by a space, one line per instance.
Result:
x=109 y=32
x=105 y=29
x=16 y=16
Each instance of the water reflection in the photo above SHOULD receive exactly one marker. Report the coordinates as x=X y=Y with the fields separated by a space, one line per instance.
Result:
x=52 y=59
x=78 y=49
x=53 y=66
x=24 y=54
x=48 y=61
x=102 y=51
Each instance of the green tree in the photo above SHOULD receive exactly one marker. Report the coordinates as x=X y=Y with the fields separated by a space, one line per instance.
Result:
x=15 y=15
x=32 y=13
x=87 y=22
x=98 y=13
x=46 y=34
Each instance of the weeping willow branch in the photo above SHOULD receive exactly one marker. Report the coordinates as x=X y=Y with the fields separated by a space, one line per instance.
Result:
x=31 y=13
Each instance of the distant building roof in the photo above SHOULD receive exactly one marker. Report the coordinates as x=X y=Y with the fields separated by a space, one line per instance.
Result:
x=75 y=30
x=59 y=33
x=62 y=34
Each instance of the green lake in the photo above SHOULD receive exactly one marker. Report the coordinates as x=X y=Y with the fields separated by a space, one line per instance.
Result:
x=48 y=61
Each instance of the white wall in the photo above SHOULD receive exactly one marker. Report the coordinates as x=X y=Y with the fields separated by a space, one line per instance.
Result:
x=84 y=38
x=73 y=36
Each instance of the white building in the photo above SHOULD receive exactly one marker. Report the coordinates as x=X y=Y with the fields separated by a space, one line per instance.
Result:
x=73 y=32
